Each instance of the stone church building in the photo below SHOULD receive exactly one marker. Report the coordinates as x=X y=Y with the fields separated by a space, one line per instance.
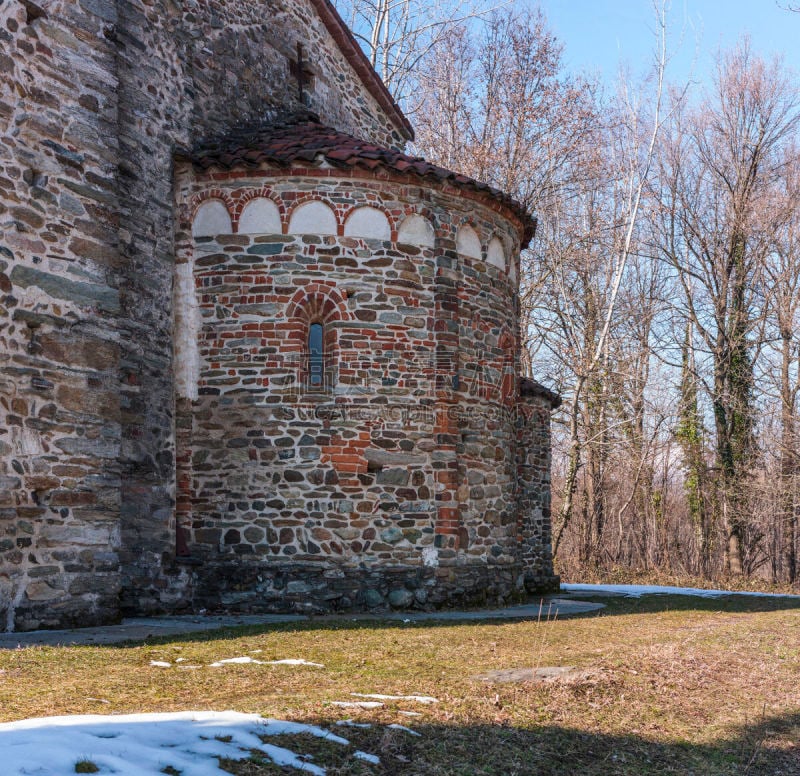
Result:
x=252 y=355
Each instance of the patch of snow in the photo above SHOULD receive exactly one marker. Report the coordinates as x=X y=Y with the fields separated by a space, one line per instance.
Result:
x=292 y=661
x=160 y=664
x=405 y=729
x=417 y=698
x=370 y=758
x=410 y=713
x=144 y=744
x=277 y=727
x=635 y=591
x=237 y=661
x=181 y=659
x=357 y=704
x=353 y=724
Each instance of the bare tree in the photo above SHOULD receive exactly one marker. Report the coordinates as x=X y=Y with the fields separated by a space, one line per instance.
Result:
x=782 y=272
x=636 y=147
x=398 y=35
x=495 y=105
x=721 y=161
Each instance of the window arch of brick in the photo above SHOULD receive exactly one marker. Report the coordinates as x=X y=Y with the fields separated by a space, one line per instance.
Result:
x=211 y=202
x=324 y=306
x=245 y=196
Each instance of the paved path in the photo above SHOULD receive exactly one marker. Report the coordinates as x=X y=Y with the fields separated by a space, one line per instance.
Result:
x=141 y=628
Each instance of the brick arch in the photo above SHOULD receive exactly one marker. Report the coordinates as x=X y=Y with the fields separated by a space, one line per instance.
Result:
x=379 y=199
x=242 y=197
x=371 y=205
x=319 y=301
x=316 y=303
x=421 y=209
x=215 y=193
x=300 y=201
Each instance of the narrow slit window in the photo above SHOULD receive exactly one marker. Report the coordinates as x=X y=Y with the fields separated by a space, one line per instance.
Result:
x=316 y=355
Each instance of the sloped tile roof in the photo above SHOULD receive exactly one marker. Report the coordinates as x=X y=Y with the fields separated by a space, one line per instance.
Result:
x=308 y=142
x=528 y=387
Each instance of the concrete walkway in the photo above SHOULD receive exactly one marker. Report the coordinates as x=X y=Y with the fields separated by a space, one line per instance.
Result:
x=142 y=628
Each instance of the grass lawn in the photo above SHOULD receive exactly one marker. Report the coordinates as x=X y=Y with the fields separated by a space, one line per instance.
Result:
x=668 y=685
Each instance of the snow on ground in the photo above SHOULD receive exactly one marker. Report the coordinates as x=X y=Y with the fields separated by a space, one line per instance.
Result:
x=634 y=591
x=370 y=758
x=377 y=696
x=405 y=729
x=357 y=704
x=145 y=744
x=290 y=661
x=293 y=661
x=236 y=661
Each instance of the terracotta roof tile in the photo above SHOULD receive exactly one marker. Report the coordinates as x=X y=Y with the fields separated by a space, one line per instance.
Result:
x=307 y=141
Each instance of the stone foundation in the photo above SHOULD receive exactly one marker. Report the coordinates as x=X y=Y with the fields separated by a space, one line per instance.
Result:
x=317 y=589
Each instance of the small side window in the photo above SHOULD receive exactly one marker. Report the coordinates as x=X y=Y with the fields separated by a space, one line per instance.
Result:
x=316 y=355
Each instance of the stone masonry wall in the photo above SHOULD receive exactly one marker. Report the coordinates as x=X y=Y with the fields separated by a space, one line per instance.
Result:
x=533 y=478
x=59 y=302
x=186 y=77
x=95 y=96
x=396 y=483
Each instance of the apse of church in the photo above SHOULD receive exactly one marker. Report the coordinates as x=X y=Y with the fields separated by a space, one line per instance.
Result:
x=347 y=350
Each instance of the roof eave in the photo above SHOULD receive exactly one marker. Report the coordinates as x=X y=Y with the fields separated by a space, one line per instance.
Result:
x=529 y=388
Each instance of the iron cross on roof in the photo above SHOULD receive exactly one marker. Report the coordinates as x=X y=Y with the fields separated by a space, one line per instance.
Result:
x=301 y=72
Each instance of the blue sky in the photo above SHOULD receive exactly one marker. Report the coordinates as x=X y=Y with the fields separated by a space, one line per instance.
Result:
x=598 y=35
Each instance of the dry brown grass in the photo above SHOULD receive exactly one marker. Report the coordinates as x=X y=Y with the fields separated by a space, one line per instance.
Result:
x=671 y=685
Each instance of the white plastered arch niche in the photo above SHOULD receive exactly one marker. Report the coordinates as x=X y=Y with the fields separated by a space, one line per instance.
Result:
x=496 y=253
x=313 y=217
x=211 y=218
x=369 y=223
x=260 y=216
x=417 y=230
x=468 y=243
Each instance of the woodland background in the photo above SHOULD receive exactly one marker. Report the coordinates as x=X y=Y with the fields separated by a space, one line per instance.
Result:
x=661 y=295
